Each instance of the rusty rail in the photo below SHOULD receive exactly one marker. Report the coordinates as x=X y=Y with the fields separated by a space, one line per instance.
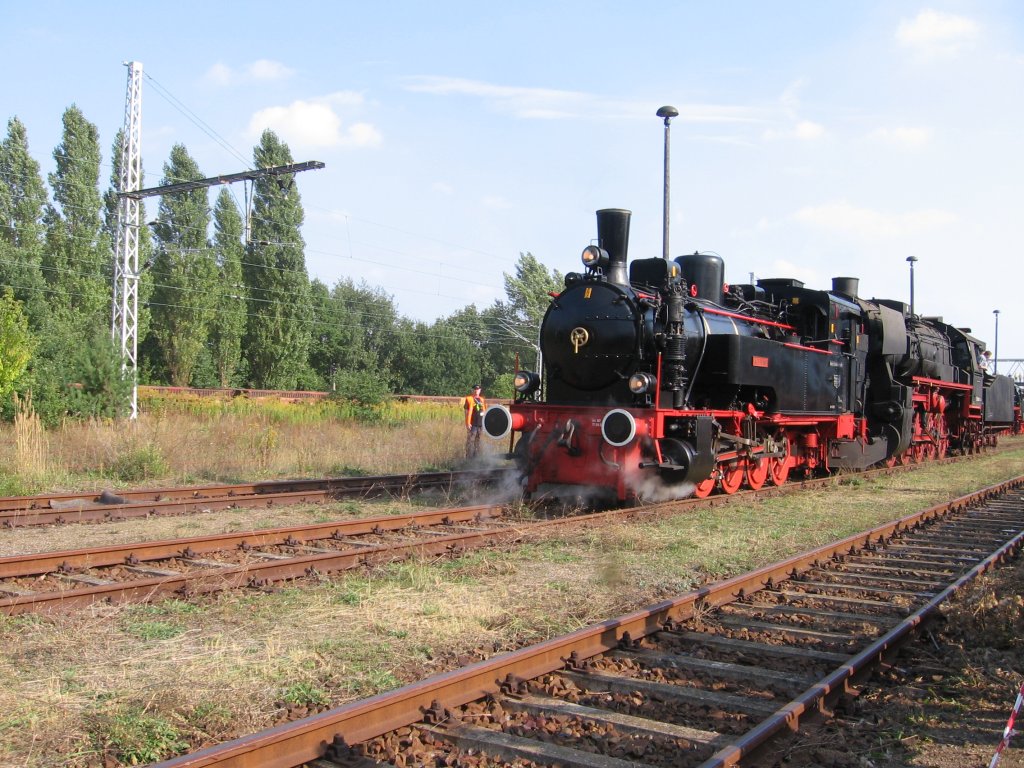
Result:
x=294 y=743
x=47 y=509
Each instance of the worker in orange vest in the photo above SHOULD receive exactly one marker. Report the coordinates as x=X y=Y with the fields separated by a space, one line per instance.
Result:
x=474 y=406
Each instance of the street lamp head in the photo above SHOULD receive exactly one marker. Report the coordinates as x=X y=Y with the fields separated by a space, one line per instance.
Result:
x=668 y=113
x=996 y=313
x=911 y=259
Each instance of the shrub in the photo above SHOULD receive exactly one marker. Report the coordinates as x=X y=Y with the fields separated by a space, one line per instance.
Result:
x=143 y=463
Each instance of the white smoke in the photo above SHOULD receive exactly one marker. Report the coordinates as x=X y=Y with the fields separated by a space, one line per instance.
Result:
x=651 y=487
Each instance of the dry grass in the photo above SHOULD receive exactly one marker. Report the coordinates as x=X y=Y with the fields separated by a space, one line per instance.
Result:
x=46 y=539
x=30 y=444
x=178 y=447
x=143 y=680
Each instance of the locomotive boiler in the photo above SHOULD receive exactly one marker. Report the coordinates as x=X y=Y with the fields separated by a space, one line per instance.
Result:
x=658 y=375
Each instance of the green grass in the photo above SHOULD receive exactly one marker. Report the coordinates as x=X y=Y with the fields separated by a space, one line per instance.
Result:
x=304 y=694
x=139 y=738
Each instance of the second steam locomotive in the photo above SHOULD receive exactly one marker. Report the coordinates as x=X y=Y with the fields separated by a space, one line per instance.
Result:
x=657 y=374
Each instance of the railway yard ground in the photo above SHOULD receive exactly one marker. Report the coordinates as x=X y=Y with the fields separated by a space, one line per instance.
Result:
x=945 y=702
x=131 y=684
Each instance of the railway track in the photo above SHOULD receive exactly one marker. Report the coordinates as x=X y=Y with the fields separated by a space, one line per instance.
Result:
x=108 y=506
x=704 y=679
x=153 y=570
x=111 y=506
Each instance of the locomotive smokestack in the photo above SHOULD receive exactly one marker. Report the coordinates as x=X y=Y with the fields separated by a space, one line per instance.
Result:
x=847 y=286
x=613 y=237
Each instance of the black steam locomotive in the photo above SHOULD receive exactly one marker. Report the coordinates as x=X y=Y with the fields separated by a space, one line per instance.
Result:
x=659 y=374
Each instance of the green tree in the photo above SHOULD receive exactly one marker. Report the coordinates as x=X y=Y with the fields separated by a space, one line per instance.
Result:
x=443 y=358
x=513 y=326
x=98 y=387
x=16 y=343
x=22 y=206
x=279 y=327
x=354 y=330
x=228 y=322
x=184 y=269
x=528 y=290
x=77 y=262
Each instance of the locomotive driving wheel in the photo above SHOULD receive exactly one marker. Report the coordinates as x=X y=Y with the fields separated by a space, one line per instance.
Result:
x=757 y=472
x=732 y=475
x=778 y=466
x=704 y=488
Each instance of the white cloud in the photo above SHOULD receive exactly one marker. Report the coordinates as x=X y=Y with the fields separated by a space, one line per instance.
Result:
x=802 y=130
x=864 y=222
x=315 y=123
x=443 y=188
x=799 y=128
x=544 y=103
x=790 y=98
x=259 y=71
x=902 y=136
x=555 y=104
x=806 y=130
x=219 y=74
x=266 y=69
x=936 y=32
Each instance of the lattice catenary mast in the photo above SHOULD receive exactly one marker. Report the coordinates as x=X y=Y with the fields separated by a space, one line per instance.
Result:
x=125 y=320
x=125 y=323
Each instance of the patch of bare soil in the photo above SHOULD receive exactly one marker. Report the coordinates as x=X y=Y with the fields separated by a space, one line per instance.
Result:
x=945 y=701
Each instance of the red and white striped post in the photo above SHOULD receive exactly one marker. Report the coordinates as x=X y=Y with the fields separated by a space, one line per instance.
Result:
x=1008 y=731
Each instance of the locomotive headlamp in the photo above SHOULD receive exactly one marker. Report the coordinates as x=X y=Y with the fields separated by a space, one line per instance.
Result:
x=594 y=257
x=641 y=383
x=526 y=382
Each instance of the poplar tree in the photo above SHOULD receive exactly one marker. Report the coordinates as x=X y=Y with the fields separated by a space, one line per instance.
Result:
x=228 y=322
x=184 y=271
x=528 y=290
x=77 y=262
x=22 y=206
x=278 y=334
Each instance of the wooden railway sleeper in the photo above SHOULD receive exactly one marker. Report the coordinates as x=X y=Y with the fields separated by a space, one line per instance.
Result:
x=743 y=672
x=592 y=682
x=508 y=747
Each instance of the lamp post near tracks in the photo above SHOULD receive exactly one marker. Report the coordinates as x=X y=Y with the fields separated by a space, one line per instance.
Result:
x=912 y=260
x=666 y=113
x=995 y=363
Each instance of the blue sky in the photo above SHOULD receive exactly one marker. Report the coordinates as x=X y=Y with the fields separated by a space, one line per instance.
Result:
x=814 y=138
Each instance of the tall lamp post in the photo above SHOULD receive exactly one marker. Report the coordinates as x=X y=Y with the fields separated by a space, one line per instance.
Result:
x=912 y=260
x=995 y=364
x=666 y=113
